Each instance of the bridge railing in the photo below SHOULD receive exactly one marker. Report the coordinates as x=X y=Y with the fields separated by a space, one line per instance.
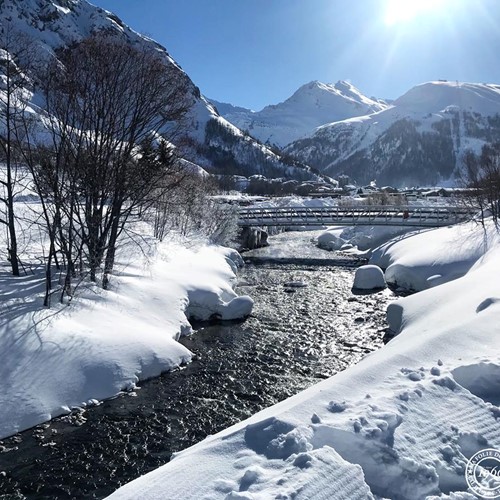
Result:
x=356 y=215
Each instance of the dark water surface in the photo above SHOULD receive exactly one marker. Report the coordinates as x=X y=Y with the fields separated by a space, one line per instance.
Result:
x=297 y=336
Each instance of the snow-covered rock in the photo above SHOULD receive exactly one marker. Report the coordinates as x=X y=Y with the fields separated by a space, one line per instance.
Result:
x=205 y=303
x=362 y=238
x=369 y=278
x=435 y=256
x=330 y=241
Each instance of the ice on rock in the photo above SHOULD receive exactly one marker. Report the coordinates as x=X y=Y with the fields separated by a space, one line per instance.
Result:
x=369 y=278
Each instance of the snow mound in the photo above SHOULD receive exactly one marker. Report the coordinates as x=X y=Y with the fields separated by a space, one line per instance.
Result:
x=206 y=304
x=369 y=278
x=424 y=260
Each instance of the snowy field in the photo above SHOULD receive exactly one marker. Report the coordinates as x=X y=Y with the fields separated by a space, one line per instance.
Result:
x=402 y=423
x=104 y=342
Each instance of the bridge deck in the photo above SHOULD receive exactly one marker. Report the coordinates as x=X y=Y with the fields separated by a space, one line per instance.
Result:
x=358 y=215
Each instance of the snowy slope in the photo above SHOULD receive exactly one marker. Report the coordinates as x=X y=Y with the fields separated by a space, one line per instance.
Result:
x=399 y=425
x=55 y=24
x=225 y=108
x=420 y=139
x=312 y=105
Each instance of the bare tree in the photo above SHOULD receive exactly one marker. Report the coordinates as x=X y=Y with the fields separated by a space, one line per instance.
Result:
x=191 y=208
x=14 y=50
x=482 y=177
x=106 y=103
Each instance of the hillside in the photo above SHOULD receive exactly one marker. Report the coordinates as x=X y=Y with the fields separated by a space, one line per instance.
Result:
x=419 y=140
x=312 y=105
x=205 y=137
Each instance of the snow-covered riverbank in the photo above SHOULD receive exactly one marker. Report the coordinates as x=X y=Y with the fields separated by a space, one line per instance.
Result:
x=400 y=424
x=106 y=341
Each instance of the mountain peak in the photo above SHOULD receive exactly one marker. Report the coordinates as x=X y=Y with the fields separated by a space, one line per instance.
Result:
x=311 y=105
x=344 y=85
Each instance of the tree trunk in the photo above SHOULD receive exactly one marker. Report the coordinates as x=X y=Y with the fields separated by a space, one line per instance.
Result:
x=14 y=261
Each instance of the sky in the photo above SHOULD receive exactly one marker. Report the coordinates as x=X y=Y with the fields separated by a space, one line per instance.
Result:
x=253 y=53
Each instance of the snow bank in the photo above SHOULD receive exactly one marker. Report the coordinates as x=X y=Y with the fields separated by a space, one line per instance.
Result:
x=400 y=424
x=432 y=257
x=105 y=342
x=369 y=278
x=361 y=238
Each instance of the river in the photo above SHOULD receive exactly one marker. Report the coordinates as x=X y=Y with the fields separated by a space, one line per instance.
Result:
x=306 y=326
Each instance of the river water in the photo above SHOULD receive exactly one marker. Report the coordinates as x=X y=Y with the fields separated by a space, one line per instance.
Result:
x=306 y=326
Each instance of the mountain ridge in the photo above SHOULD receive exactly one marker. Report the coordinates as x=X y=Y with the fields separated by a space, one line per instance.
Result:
x=419 y=139
x=311 y=105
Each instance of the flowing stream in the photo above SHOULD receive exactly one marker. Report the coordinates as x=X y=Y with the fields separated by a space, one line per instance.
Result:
x=306 y=326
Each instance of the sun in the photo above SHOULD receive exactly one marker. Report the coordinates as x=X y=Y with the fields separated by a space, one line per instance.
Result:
x=401 y=11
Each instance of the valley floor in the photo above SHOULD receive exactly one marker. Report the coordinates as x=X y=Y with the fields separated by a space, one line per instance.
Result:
x=403 y=423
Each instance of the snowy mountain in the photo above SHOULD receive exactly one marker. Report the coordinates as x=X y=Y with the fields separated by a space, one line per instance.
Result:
x=206 y=138
x=419 y=140
x=224 y=108
x=312 y=105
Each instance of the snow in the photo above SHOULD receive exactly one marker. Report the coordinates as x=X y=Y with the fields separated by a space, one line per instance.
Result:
x=52 y=360
x=454 y=249
x=359 y=239
x=400 y=424
x=369 y=278
x=432 y=97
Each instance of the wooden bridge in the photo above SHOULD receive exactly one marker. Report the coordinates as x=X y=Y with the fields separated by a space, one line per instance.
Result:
x=368 y=215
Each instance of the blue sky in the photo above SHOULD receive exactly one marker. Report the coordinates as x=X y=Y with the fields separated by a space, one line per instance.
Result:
x=257 y=52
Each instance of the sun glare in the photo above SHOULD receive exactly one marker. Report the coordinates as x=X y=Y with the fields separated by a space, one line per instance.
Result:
x=401 y=11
